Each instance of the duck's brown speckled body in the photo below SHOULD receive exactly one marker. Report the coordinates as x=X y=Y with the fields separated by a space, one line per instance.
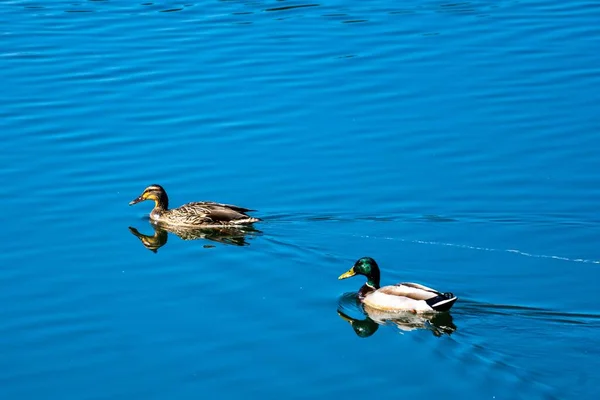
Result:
x=196 y=214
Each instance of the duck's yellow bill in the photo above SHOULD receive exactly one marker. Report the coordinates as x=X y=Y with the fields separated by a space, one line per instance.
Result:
x=347 y=274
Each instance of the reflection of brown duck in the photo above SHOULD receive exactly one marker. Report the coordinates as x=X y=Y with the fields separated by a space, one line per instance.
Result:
x=154 y=242
x=227 y=235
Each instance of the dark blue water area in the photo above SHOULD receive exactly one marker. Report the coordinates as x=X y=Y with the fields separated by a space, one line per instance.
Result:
x=456 y=143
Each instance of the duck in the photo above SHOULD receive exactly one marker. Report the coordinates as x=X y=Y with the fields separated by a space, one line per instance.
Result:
x=195 y=214
x=406 y=296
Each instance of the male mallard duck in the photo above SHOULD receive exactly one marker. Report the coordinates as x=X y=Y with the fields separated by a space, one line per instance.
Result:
x=198 y=214
x=400 y=297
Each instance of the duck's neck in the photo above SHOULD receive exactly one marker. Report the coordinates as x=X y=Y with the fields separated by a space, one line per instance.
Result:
x=161 y=204
x=373 y=279
x=366 y=289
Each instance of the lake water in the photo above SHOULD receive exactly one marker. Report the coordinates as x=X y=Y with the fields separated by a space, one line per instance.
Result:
x=456 y=143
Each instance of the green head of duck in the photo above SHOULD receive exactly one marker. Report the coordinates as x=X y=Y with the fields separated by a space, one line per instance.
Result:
x=365 y=266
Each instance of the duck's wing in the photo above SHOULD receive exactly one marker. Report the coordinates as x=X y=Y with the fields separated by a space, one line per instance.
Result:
x=411 y=290
x=436 y=300
x=222 y=205
x=210 y=212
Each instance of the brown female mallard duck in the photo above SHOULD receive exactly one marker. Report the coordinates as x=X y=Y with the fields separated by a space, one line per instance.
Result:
x=197 y=214
x=399 y=297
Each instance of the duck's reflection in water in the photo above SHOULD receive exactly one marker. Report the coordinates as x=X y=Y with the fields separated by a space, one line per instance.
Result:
x=370 y=320
x=227 y=235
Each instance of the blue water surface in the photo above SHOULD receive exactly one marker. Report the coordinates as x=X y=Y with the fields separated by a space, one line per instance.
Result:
x=456 y=143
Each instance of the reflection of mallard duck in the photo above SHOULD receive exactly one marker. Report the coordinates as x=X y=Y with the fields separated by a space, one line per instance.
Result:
x=227 y=234
x=362 y=327
x=350 y=304
x=439 y=323
x=400 y=297
x=205 y=213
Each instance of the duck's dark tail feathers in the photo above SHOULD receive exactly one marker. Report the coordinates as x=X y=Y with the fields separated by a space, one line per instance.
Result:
x=443 y=302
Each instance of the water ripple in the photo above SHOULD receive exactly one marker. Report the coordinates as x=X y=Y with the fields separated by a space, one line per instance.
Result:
x=513 y=251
